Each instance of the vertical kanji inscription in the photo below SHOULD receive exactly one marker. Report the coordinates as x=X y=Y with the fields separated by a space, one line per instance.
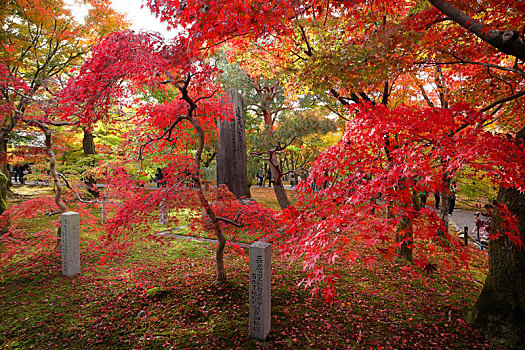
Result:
x=231 y=154
x=260 y=290
x=70 y=239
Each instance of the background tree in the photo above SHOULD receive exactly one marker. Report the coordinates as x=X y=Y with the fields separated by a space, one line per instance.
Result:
x=41 y=44
x=264 y=100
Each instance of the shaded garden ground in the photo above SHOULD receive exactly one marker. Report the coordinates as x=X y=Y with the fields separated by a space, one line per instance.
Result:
x=162 y=295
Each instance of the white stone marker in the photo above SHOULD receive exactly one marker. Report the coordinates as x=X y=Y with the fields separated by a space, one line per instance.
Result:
x=70 y=226
x=163 y=213
x=260 y=290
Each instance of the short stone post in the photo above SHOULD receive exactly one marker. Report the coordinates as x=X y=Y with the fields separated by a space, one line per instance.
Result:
x=163 y=213
x=70 y=227
x=260 y=290
x=465 y=235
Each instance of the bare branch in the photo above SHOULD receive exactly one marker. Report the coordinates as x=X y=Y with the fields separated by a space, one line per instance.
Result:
x=228 y=221
x=205 y=97
x=425 y=96
x=514 y=69
x=503 y=100
x=508 y=42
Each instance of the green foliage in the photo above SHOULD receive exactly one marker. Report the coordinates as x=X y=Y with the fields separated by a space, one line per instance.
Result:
x=303 y=123
x=475 y=189
x=209 y=173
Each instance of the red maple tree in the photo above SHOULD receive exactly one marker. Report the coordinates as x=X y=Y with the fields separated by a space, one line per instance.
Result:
x=128 y=64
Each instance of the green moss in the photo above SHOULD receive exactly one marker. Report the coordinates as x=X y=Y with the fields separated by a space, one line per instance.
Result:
x=3 y=192
x=157 y=292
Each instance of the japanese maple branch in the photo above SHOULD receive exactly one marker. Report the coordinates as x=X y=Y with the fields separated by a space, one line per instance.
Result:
x=309 y=50
x=343 y=100
x=52 y=161
x=500 y=79
x=488 y=65
x=295 y=169
x=492 y=105
x=206 y=97
x=279 y=148
x=508 y=42
x=503 y=100
x=339 y=115
x=80 y=199
x=259 y=155
x=207 y=48
x=228 y=221
x=425 y=96
x=165 y=135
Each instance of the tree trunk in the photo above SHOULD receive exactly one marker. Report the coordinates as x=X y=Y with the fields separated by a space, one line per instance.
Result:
x=405 y=232
x=445 y=206
x=500 y=308
x=281 y=195
x=88 y=143
x=88 y=146
x=52 y=161
x=4 y=165
x=278 y=187
x=219 y=251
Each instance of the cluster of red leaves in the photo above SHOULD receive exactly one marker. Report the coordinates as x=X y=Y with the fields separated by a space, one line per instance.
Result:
x=25 y=238
x=367 y=182
x=213 y=22
x=158 y=118
x=248 y=220
x=144 y=59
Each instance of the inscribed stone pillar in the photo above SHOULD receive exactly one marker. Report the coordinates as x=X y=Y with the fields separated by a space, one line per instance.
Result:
x=260 y=290
x=70 y=227
x=163 y=213
x=231 y=153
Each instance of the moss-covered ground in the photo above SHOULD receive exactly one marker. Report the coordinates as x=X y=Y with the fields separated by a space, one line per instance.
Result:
x=161 y=294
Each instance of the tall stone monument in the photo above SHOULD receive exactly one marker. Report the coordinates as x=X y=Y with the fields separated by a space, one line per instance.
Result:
x=70 y=227
x=260 y=290
x=231 y=154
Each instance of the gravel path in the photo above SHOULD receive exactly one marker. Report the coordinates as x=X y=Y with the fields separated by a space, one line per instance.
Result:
x=460 y=219
x=169 y=234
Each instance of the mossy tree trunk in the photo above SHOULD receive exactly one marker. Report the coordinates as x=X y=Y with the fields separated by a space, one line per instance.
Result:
x=88 y=146
x=88 y=142
x=3 y=201
x=405 y=232
x=278 y=186
x=500 y=308
x=4 y=166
